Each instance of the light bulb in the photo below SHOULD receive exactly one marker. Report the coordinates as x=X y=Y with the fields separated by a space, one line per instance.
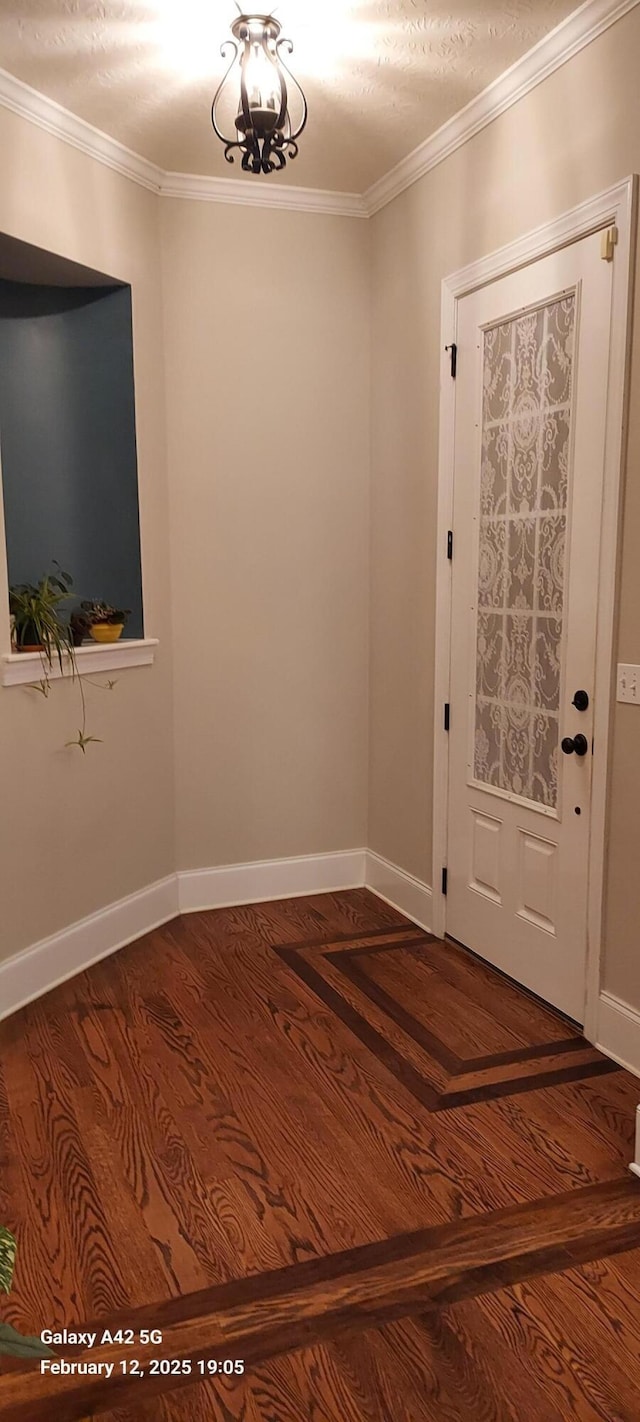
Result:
x=263 y=88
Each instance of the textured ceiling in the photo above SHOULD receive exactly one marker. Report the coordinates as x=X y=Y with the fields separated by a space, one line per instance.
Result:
x=380 y=75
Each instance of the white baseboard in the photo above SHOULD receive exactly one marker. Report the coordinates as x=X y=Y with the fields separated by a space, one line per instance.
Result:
x=399 y=889
x=232 y=884
x=47 y=964
x=618 y=1033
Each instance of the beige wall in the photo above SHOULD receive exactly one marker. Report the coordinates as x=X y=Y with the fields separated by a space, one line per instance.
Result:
x=573 y=136
x=265 y=348
x=267 y=361
x=77 y=833
x=260 y=322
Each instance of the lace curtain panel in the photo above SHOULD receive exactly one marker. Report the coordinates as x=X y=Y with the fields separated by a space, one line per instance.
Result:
x=526 y=440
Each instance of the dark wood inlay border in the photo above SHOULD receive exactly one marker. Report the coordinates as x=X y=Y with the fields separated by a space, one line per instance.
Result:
x=392 y=931
x=408 y=1075
x=398 y=1014
x=527 y=1054
x=495 y=1089
x=365 y=949
x=368 y=950
x=426 y=1039
x=257 y=1318
x=368 y=1035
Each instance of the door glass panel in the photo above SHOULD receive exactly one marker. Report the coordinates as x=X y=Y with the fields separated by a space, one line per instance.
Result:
x=526 y=436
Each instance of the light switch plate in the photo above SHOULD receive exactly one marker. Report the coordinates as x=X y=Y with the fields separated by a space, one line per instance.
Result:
x=629 y=684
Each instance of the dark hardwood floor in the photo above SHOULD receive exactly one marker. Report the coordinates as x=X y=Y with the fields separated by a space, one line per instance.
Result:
x=309 y=1136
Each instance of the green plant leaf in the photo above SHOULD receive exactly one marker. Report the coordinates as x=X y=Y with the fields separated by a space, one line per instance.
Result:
x=14 y=1345
x=7 y=1258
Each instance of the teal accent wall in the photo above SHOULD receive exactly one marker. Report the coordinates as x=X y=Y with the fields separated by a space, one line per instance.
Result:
x=68 y=440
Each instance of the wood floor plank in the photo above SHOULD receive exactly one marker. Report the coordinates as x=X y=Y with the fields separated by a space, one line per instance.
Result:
x=374 y=1377
x=576 y=1323
x=256 y=1319
x=318 y=1185
x=416 y=1047
x=605 y=1108
x=320 y=918
x=161 y=1176
x=402 y=1064
x=612 y=1287
x=309 y=1383
x=533 y=1131
x=429 y=1172
x=438 y=1161
x=467 y=1028
x=376 y=1366
x=525 y=1014
x=411 y=990
x=561 y=1343
x=454 y=1381
x=66 y=1250
x=190 y=1116
x=543 y=1064
x=336 y=1093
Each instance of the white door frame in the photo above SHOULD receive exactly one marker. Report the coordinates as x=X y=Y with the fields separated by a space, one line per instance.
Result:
x=616 y=207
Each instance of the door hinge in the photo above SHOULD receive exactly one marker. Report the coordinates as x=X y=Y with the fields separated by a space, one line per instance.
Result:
x=445 y=875
x=450 y=544
x=447 y=715
x=609 y=242
x=454 y=359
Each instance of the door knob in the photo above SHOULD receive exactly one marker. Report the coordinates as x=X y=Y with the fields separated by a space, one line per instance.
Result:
x=577 y=745
x=581 y=701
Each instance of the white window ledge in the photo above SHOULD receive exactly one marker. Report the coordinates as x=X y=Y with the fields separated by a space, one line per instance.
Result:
x=23 y=668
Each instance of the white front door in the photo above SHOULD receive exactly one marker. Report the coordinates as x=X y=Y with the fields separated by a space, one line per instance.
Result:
x=531 y=401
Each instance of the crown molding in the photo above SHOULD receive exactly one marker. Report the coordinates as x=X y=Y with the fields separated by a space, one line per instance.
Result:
x=45 y=113
x=569 y=37
x=572 y=35
x=234 y=190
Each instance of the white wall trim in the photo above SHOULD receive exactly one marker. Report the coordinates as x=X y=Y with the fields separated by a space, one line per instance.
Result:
x=586 y=217
x=26 y=668
x=635 y=1164
x=399 y=889
x=267 y=879
x=551 y=52
x=45 y=113
x=234 y=190
x=43 y=966
x=53 y=960
x=572 y=35
x=618 y=1032
x=615 y=206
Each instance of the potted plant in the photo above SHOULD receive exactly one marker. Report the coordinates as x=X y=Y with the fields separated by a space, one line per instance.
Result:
x=80 y=625
x=106 y=623
x=13 y=1344
x=39 y=627
x=35 y=609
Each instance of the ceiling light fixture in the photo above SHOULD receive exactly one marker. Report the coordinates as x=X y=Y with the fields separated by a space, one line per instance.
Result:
x=266 y=134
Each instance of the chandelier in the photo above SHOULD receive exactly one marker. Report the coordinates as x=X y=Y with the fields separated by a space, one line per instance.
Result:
x=266 y=134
